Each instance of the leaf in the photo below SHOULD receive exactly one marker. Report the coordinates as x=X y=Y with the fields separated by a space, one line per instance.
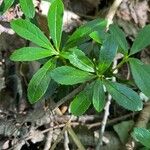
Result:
x=98 y=36
x=119 y=36
x=122 y=129
x=82 y=33
x=142 y=135
x=79 y=60
x=6 y=4
x=124 y=96
x=29 y=31
x=31 y=53
x=141 y=41
x=55 y=21
x=27 y=8
x=40 y=82
x=141 y=75
x=98 y=96
x=68 y=75
x=81 y=102
x=107 y=53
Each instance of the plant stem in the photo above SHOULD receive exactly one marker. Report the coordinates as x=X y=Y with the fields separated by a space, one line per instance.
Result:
x=75 y=138
x=125 y=59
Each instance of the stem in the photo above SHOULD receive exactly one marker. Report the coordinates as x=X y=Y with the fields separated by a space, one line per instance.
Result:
x=100 y=140
x=125 y=59
x=75 y=138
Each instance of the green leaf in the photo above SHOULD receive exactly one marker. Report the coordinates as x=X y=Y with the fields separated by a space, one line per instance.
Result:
x=29 y=31
x=55 y=21
x=40 y=82
x=82 y=33
x=31 y=53
x=141 y=41
x=98 y=36
x=79 y=60
x=141 y=75
x=6 y=4
x=119 y=36
x=98 y=96
x=124 y=96
x=27 y=8
x=81 y=102
x=107 y=53
x=122 y=129
x=142 y=135
x=68 y=75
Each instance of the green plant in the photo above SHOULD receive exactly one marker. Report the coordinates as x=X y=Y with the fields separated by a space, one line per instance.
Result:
x=70 y=63
x=142 y=135
x=26 y=6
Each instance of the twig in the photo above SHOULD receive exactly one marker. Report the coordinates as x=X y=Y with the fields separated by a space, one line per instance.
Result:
x=66 y=141
x=60 y=135
x=109 y=122
x=112 y=12
x=100 y=140
x=49 y=138
x=75 y=138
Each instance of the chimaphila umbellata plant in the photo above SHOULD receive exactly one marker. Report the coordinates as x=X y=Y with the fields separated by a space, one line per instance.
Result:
x=86 y=56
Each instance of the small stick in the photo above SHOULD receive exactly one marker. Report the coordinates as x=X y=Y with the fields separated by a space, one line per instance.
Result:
x=66 y=141
x=49 y=138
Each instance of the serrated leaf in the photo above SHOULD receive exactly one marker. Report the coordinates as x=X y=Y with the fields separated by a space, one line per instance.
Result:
x=55 y=21
x=124 y=96
x=81 y=103
x=79 y=60
x=68 y=75
x=119 y=36
x=141 y=75
x=29 y=31
x=6 y=4
x=40 y=82
x=31 y=53
x=27 y=8
x=141 y=41
x=142 y=135
x=107 y=53
x=82 y=33
x=98 y=95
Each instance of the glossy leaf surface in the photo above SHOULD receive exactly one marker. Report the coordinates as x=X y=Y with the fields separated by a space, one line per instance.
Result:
x=55 y=21
x=31 y=53
x=119 y=36
x=81 y=102
x=142 y=40
x=141 y=75
x=82 y=33
x=27 y=8
x=124 y=96
x=79 y=59
x=142 y=135
x=107 y=53
x=68 y=75
x=29 y=31
x=40 y=82
x=98 y=97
